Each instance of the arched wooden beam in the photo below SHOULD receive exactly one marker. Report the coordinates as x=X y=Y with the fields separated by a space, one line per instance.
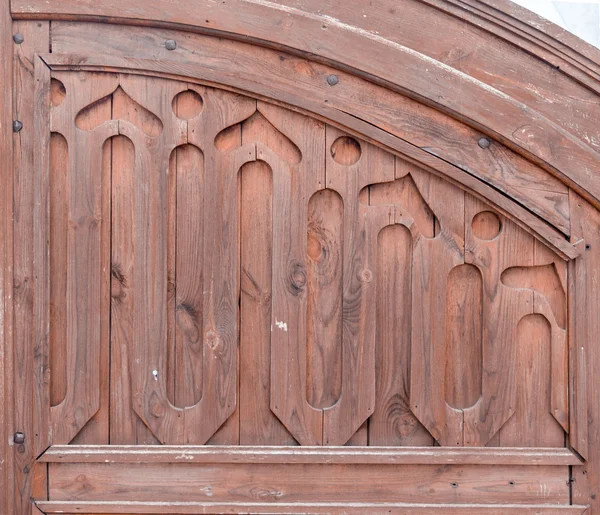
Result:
x=375 y=57
x=250 y=80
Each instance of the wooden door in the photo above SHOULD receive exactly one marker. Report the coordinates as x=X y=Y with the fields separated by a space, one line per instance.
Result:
x=243 y=296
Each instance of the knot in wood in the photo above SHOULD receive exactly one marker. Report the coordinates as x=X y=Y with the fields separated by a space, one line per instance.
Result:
x=297 y=278
x=156 y=407
x=366 y=275
x=212 y=339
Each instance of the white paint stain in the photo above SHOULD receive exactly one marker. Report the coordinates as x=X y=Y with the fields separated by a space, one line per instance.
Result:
x=281 y=325
x=155 y=374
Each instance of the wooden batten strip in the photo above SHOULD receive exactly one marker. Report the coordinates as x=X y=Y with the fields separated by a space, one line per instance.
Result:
x=183 y=508
x=308 y=454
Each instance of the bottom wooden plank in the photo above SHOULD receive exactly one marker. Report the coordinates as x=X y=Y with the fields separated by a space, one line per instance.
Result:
x=302 y=483
x=182 y=508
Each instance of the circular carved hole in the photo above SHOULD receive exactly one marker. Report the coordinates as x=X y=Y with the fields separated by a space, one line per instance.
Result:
x=346 y=150
x=187 y=104
x=486 y=225
x=57 y=92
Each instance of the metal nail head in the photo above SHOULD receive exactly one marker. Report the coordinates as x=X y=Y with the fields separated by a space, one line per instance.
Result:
x=484 y=143
x=170 y=44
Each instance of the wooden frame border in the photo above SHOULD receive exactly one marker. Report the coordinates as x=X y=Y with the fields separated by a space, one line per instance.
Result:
x=307 y=454
x=325 y=39
x=208 y=508
x=6 y=261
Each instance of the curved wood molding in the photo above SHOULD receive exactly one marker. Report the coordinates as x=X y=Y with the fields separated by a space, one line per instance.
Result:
x=544 y=106
x=527 y=194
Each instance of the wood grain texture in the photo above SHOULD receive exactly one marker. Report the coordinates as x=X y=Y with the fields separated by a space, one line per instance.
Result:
x=258 y=424
x=292 y=189
x=522 y=126
x=412 y=121
x=275 y=280
x=208 y=508
x=350 y=166
x=584 y=355
x=307 y=483
x=86 y=275
x=374 y=455
x=6 y=264
x=24 y=292
x=433 y=260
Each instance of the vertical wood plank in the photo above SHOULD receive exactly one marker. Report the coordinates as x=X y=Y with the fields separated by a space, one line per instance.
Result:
x=585 y=354
x=350 y=166
x=58 y=231
x=493 y=244
x=36 y=39
x=392 y=422
x=258 y=424
x=292 y=190
x=6 y=262
x=533 y=425
x=433 y=259
x=86 y=282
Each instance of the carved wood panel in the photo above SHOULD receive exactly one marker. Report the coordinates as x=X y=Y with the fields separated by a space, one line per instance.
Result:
x=274 y=280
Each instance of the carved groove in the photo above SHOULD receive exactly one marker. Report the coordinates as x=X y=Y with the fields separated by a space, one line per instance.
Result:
x=324 y=309
x=464 y=345
x=59 y=224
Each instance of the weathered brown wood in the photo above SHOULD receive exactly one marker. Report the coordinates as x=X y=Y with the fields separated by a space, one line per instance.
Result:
x=300 y=180
x=26 y=344
x=85 y=348
x=584 y=355
x=457 y=144
x=433 y=260
x=313 y=261
x=6 y=264
x=308 y=483
x=258 y=424
x=208 y=508
x=350 y=166
x=522 y=127
x=324 y=455
x=126 y=427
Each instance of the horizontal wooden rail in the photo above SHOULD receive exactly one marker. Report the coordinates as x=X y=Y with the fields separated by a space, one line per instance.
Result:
x=314 y=455
x=182 y=508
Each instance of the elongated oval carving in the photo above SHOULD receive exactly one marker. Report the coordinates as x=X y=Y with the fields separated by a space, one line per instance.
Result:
x=185 y=298
x=392 y=422
x=59 y=224
x=464 y=326
x=532 y=425
x=324 y=308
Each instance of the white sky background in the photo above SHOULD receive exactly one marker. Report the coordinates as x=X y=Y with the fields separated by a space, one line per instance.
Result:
x=581 y=17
